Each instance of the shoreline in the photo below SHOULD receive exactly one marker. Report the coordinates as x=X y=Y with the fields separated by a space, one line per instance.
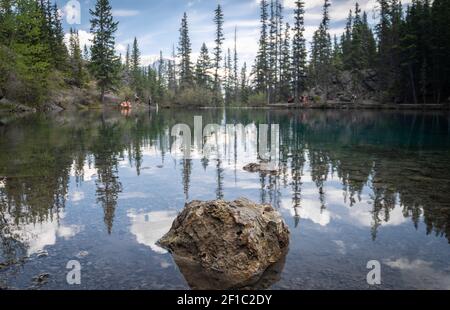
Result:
x=378 y=107
x=7 y=115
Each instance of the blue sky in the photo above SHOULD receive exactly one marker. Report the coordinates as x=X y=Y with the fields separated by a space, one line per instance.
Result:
x=156 y=22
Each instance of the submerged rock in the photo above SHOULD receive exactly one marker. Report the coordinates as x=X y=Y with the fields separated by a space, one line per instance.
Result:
x=230 y=244
x=200 y=278
x=42 y=278
x=264 y=168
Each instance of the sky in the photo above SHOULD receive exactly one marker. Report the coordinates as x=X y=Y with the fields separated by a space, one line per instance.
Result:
x=156 y=23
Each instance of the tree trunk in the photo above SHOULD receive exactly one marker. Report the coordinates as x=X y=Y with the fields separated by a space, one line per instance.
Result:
x=413 y=86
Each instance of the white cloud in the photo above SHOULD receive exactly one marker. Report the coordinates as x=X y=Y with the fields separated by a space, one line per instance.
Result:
x=77 y=196
x=421 y=273
x=85 y=38
x=89 y=172
x=125 y=13
x=310 y=210
x=308 y=3
x=150 y=227
x=38 y=236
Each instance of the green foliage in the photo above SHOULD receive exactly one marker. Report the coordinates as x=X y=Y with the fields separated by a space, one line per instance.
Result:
x=321 y=52
x=104 y=64
x=134 y=64
x=195 y=97
x=262 y=63
x=219 y=39
x=244 y=87
x=257 y=100
x=299 y=49
x=77 y=71
x=184 y=52
x=202 y=74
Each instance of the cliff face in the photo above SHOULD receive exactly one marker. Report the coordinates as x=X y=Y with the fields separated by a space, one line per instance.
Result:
x=362 y=87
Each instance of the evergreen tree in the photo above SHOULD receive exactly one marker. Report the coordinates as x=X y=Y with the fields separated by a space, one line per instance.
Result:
x=219 y=39
x=244 y=87
x=262 y=62
x=440 y=50
x=135 y=68
x=34 y=62
x=285 y=65
x=104 y=63
x=203 y=67
x=184 y=52
x=346 y=43
x=86 y=56
x=228 y=78
x=299 y=50
x=337 y=55
x=321 y=52
x=7 y=21
x=235 y=68
x=172 y=74
x=128 y=59
x=357 y=44
x=369 y=45
x=161 y=76
x=273 y=50
x=76 y=59
x=58 y=47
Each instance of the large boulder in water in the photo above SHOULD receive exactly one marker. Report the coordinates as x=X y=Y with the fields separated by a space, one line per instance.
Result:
x=233 y=243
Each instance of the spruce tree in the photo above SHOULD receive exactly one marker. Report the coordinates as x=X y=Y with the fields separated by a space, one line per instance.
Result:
x=135 y=68
x=203 y=67
x=244 y=88
x=104 y=63
x=337 y=55
x=369 y=45
x=273 y=51
x=219 y=39
x=76 y=59
x=441 y=47
x=346 y=43
x=86 y=56
x=262 y=62
x=228 y=78
x=58 y=47
x=7 y=21
x=172 y=73
x=357 y=41
x=35 y=61
x=235 y=68
x=285 y=65
x=184 y=52
x=161 y=77
x=321 y=52
x=299 y=53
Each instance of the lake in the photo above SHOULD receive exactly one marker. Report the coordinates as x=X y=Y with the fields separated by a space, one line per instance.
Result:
x=102 y=187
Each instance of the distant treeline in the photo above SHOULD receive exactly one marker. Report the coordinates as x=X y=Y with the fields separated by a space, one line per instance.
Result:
x=408 y=50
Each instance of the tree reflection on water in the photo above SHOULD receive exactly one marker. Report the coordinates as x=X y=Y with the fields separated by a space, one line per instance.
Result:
x=403 y=158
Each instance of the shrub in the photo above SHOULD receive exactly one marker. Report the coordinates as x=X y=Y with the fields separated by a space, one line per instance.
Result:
x=257 y=100
x=195 y=97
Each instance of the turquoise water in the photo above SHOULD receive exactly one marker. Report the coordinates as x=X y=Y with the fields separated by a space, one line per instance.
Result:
x=102 y=187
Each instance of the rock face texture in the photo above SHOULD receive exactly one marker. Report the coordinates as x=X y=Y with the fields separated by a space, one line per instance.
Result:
x=232 y=244
x=263 y=168
x=361 y=87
